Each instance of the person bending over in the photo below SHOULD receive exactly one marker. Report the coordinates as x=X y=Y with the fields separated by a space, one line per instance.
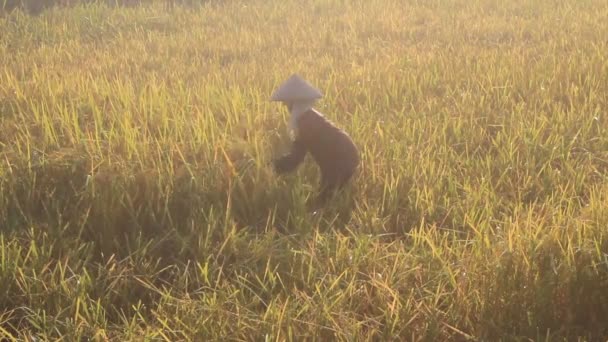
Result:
x=331 y=147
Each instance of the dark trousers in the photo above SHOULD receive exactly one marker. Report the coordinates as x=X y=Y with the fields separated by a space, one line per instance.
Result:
x=331 y=183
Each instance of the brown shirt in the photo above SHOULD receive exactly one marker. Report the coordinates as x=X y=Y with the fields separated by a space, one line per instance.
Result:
x=331 y=148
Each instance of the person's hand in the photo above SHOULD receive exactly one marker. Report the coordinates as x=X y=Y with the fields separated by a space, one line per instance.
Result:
x=272 y=164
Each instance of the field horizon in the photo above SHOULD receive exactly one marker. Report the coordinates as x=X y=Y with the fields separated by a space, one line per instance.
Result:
x=137 y=201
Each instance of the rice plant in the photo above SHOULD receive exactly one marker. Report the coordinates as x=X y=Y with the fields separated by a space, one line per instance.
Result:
x=137 y=201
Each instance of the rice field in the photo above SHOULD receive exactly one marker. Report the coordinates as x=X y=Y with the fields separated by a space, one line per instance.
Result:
x=138 y=202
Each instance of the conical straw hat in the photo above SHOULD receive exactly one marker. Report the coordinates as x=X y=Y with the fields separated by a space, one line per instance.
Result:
x=296 y=89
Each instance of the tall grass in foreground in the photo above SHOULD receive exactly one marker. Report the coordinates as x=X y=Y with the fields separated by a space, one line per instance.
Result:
x=136 y=200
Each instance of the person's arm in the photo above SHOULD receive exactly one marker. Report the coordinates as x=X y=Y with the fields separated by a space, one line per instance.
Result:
x=290 y=161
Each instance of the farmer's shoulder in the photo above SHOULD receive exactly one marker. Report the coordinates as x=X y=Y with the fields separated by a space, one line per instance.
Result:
x=314 y=121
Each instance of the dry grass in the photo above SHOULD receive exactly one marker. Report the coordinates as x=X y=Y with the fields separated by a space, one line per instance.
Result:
x=136 y=200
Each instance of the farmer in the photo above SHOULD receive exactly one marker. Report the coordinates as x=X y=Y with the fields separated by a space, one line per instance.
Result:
x=331 y=148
